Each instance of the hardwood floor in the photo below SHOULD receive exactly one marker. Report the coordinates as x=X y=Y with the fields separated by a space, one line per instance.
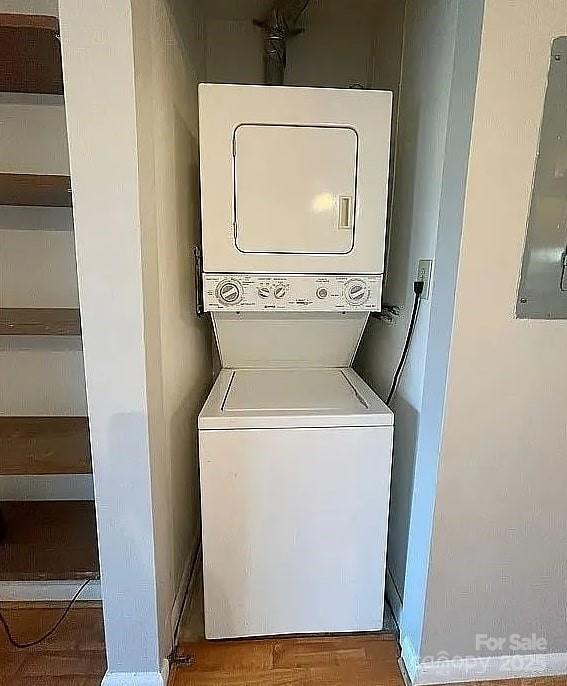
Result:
x=74 y=656
x=334 y=661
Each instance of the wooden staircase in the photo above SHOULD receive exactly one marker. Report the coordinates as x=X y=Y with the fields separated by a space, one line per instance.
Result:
x=42 y=540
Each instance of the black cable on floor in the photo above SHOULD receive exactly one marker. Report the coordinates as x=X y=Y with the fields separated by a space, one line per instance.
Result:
x=418 y=290
x=29 y=644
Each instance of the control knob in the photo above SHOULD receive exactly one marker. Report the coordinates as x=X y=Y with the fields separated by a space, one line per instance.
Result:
x=279 y=291
x=357 y=292
x=264 y=292
x=229 y=292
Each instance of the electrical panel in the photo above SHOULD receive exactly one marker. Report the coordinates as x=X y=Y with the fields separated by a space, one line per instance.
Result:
x=542 y=293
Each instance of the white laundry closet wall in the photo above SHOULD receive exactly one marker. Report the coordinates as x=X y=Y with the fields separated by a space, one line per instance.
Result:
x=343 y=44
x=441 y=47
x=134 y=162
x=337 y=49
x=167 y=67
x=430 y=35
x=498 y=556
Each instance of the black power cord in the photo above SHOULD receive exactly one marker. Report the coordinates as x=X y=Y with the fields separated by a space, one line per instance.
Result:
x=29 y=644
x=418 y=287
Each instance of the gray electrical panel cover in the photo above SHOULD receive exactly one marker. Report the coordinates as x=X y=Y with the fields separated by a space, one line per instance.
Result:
x=542 y=292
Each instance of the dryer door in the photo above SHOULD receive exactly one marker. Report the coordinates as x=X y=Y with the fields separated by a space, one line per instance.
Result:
x=295 y=189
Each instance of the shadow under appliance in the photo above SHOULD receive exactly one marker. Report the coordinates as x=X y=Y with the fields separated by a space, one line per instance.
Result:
x=295 y=449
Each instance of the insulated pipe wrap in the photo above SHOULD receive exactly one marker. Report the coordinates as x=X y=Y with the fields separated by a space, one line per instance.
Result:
x=278 y=27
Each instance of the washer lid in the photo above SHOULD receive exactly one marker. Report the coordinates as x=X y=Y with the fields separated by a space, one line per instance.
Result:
x=283 y=398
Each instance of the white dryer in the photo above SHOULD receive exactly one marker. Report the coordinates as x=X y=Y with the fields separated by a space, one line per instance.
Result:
x=295 y=467
x=293 y=180
x=295 y=449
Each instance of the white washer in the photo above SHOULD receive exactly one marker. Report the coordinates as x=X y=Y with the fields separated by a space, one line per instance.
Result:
x=295 y=477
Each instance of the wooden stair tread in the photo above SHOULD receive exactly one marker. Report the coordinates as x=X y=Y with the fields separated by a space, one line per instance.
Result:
x=29 y=21
x=40 y=321
x=30 y=54
x=35 y=190
x=48 y=541
x=44 y=445
x=82 y=630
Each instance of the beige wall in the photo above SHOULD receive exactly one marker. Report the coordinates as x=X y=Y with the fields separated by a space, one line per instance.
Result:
x=178 y=344
x=41 y=379
x=499 y=554
x=48 y=7
x=339 y=47
x=37 y=268
x=33 y=135
x=430 y=29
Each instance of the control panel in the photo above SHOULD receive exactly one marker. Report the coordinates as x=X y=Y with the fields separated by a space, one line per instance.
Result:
x=293 y=293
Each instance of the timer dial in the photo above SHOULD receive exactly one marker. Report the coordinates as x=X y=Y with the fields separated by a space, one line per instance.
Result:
x=229 y=292
x=357 y=292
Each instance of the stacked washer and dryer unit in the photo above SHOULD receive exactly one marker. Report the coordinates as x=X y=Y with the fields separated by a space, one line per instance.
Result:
x=295 y=449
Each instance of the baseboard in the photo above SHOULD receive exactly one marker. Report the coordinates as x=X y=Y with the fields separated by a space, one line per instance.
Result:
x=132 y=679
x=409 y=659
x=183 y=593
x=404 y=672
x=493 y=668
x=47 y=591
x=164 y=672
x=393 y=597
x=185 y=588
x=135 y=679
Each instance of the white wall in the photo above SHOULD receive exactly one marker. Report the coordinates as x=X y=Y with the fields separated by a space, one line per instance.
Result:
x=424 y=106
x=104 y=166
x=440 y=61
x=499 y=548
x=178 y=344
x=147 y=357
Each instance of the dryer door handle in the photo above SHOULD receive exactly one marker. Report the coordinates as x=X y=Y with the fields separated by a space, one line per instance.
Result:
x=345 y=212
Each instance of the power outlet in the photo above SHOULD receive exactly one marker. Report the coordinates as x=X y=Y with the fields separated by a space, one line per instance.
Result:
x=424 y=271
